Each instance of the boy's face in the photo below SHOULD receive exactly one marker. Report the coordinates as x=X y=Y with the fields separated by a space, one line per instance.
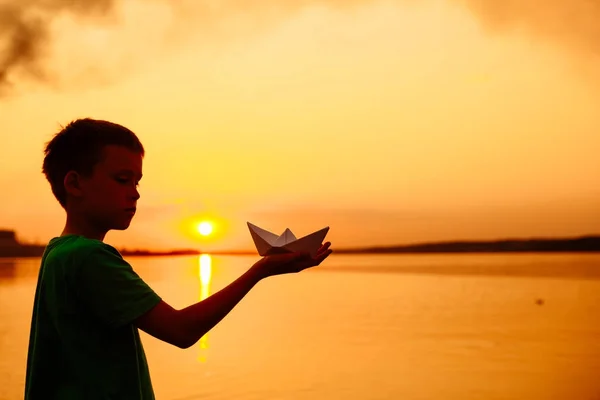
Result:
x=109 y=196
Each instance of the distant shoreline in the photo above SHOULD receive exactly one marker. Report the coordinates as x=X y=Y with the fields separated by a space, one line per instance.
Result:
x=582 y=244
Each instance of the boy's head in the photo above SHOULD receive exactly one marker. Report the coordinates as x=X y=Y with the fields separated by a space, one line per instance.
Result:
x=94 y=167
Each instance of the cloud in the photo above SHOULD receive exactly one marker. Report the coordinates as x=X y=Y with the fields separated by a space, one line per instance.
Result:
x=30 y=39
x=570 y=23
x=26 y=26
x=30 y=35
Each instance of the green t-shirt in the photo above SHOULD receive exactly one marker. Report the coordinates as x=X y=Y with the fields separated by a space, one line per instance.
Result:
x=83 y=344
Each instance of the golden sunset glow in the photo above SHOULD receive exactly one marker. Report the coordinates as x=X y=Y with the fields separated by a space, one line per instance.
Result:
x=391 y=122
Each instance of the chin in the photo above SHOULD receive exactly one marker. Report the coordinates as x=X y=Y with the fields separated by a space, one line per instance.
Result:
x=121 y=226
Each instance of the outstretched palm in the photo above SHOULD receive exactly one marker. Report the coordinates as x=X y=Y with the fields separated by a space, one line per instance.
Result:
x=286 y=263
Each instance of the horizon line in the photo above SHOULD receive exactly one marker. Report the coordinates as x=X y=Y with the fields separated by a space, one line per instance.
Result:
x=350 y=249
x=415 y=246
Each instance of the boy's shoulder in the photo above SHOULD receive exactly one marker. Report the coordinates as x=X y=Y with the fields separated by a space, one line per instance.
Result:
x=75 y=248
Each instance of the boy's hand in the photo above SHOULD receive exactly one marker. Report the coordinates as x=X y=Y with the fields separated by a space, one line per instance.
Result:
x=287 y=263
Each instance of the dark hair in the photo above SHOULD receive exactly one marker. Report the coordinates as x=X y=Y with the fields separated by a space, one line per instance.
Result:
x=79 y=147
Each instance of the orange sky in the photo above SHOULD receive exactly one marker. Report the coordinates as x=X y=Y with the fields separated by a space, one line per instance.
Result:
x=390 y=122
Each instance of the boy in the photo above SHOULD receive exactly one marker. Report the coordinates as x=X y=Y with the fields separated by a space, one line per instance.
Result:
x=89 y=303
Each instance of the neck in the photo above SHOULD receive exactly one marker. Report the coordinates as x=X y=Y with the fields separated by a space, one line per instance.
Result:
x=82 y=227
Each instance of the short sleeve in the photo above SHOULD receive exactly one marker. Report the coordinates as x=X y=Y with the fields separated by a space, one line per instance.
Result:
x=111 y=289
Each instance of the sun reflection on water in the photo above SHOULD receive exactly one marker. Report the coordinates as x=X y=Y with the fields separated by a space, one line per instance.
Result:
x=205 y=275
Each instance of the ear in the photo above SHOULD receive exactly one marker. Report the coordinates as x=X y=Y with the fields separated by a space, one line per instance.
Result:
x=72 y=183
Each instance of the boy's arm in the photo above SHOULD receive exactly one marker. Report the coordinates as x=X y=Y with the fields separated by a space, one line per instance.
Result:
x=185 y=327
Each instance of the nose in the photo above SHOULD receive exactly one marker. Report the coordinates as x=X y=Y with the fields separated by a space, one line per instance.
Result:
x=136 y=194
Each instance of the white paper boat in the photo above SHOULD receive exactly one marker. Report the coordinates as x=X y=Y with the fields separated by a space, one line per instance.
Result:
x=269 y=243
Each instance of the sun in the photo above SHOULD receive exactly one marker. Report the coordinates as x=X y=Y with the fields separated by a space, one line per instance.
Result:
x=205 y=228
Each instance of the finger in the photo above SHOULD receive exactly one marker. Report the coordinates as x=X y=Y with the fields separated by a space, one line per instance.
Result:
x=323 y=249
x=324 y=246
x=315 y=261
x=321 y=257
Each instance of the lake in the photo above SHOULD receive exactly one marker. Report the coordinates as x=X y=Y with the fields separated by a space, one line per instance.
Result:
x=414 y=327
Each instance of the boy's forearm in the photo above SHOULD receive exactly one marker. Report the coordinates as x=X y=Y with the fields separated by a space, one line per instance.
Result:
x=201 y=317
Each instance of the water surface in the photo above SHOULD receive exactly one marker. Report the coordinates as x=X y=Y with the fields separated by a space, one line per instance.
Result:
x=418 y=327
